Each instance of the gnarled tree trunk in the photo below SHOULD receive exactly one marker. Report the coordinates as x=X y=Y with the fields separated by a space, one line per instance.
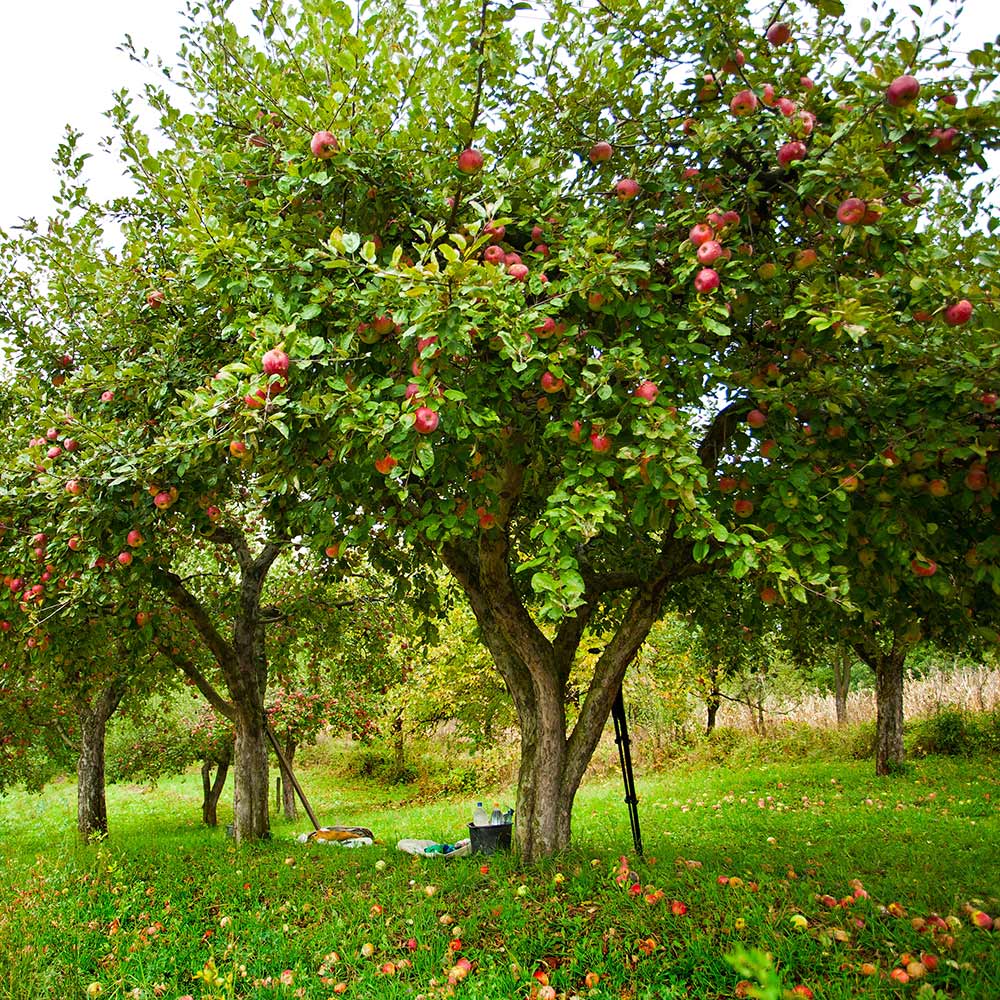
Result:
x=91 y=801
x=536 y=669
x=243 y=665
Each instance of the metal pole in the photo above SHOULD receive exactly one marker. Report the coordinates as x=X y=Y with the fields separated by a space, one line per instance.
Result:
x=291 y=776
x=625 y=756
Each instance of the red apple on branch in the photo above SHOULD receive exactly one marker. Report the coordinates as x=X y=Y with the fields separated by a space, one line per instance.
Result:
x=601 y=152
x=627 y=189
x=323 y=144
x=902 y=91
x=706 y=280
x=647 y=391
x=791 y=152
x=851 y=211
x=425 y=420
x=470 y=161
x=959 y=313
x=779 y=33
x=275 y=362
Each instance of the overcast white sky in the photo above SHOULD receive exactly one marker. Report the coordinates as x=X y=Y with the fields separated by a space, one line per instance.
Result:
x=59 y=66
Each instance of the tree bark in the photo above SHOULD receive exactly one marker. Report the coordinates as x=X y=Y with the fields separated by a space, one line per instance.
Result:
x=213 y=789
x=91 y=801
x=288 y=798
x=250 y=777
x=714 y=700
x=888 y=666
x=841 y=683
x=889 y=752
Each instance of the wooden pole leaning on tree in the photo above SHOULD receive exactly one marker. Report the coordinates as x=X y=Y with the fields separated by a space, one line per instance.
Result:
x=625 y=756
x=291 y=777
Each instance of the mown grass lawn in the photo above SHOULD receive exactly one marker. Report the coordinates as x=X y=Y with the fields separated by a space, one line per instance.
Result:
x=146 y=912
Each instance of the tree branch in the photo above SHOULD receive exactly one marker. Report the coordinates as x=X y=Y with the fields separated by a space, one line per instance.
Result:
x=201 y=682
x=721 y=433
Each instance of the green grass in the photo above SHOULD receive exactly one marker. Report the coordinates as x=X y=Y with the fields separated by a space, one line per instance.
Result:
x=145 y=910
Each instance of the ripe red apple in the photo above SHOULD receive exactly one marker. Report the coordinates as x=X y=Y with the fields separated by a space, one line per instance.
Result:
x=804 y=259
x=550 y=383
x=709 y=252
x=124 y=558
x=333 y=550
x=155 y=299
x=75 y=542
x=958 y=313
x=626 y=189
x=743 y=508
x=767 y=97
x=923 y=567
x=385 y=465
x=470 y=161
x=701 y=234
x=162 y=500
x=275 y=362
x=706 y=280
x=756 y=418
x=768 y=595
x=143 y=618
x=735 y=62
x=519 y=272
x=647 y=390
x=903 y=90
x=601 y=152
x=790 y=152
x=938 y=488
x=601 y=443
x=976 y=478
x=425 y=420
x=52 y=434
x=323 y=144
x=107 y=395
x=743 y=104
x=134 y=538
x=779 y=33
x=989 y=400
x=73 y=487
x=237 y=449
x=947 y=140
x=213 y=513
x=768 y=448
x=54 y=452
x=851 y=211
x=727 y=484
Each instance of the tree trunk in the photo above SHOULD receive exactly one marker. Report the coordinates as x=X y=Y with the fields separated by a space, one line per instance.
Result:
x=889 y=753
x=250 y=796
x=841 y=683
x=714 y=700
x=91 y=803
x=213 y=789
x=288 y=801
x=398 y=747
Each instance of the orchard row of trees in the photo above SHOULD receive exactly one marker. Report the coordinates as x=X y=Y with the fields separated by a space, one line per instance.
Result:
x=596 y=319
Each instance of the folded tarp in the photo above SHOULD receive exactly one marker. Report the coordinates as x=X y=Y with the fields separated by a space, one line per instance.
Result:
x=342 y=836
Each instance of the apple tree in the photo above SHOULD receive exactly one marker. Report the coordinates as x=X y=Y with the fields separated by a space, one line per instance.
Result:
x=576 y=312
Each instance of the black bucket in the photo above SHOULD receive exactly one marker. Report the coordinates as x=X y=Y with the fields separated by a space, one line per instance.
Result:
x=490 y=839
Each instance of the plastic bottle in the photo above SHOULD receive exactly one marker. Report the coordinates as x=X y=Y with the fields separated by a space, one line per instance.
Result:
x=479 y=817
x=497 y=818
